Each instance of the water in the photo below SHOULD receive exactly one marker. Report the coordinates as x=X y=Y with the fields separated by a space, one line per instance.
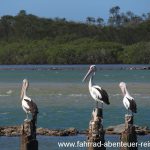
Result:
x=51 y=143
x=64 y=101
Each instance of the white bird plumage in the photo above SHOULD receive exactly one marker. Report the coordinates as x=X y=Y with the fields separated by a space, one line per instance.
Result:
x=27 y=104
x=97 y=93
x=128 y=100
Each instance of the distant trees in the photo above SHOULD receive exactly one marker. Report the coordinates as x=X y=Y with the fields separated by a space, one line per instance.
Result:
x=43 y=52
x=100 y=21
x=115 y=17
x=7 y=26
x=138 y=53
x=93 y=21
x=121 y=27
x=29 y=39
x=118 y=18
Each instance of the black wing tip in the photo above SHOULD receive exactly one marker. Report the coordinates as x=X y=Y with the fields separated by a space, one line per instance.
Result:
x=134 y=110
x=108 y=103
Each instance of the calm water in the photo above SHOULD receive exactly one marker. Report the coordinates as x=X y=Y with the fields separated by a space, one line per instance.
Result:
x=51 y=143
x=64 y=101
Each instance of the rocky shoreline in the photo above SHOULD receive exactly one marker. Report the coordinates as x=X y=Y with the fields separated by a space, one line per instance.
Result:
x=16 y=131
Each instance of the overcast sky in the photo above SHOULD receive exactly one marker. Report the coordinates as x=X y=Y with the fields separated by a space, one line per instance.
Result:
x=76 y=10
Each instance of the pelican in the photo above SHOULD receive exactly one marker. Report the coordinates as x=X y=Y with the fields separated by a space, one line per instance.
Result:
x=27 y=104
x=97 y=93
x=128 y=101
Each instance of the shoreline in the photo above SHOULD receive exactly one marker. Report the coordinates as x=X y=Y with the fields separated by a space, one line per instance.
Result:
x=111 y=130
x=74 y=67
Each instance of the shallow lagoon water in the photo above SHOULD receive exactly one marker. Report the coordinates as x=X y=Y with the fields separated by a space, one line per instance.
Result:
x=47 y=143
x=64 y=101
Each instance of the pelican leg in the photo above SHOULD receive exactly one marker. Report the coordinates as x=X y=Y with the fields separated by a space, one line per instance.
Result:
x=27 y=118
x=132 y=113
x=102 y=105
x=96 y=104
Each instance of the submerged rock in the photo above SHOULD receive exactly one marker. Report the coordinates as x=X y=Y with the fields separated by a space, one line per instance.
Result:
x=57 y=132
x=10 y=131
x=118 y=129
x=16 y=131
x=115 y=129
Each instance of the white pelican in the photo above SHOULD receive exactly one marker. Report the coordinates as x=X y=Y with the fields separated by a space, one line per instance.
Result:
x=97 y=93
x=27 y=104
x=128 y=101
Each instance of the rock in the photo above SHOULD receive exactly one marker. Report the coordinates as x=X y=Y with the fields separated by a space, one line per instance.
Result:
x=118 y=129
x=72 y=131
x=115 y=129
x=10 y=131
x=110 y=128
x=140 y=132
x=16 y=131
x=59 y=132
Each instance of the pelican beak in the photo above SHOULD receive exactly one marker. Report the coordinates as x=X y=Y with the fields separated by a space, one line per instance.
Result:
x=123 y=90
x=88 y=73
x=22 y=91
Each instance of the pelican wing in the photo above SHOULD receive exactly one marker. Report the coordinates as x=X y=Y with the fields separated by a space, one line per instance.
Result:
x=25 y=105
x=103 y=96
x=133 y=106
x=32 y=106
x=126 y=102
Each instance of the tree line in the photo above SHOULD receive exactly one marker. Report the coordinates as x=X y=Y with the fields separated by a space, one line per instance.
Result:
x=29 y=39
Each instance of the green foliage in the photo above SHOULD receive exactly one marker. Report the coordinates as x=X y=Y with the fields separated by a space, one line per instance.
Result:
x=22 y=53
x=136 y=54
x=76 y=52
x=84 y=51
x=29 y=39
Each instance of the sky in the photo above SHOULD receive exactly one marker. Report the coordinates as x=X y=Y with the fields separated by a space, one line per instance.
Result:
x=75 y=10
